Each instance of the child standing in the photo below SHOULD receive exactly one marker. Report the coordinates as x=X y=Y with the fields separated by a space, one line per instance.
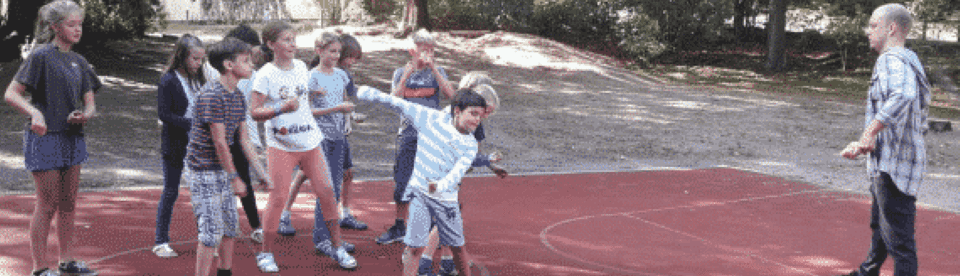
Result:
x=218 y=117
x=293 y=138
x=61 y=85
x=442 y=159
x=176 y=93
x=422 y=82
x=349 y=56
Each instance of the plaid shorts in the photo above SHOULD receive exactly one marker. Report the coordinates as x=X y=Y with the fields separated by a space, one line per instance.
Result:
x=214 y=206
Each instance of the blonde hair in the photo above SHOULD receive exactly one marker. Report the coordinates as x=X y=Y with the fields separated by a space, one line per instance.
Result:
x=51 y=14
x=473 y=79
x=489 y=95
x=326 y=39
x=423 y=37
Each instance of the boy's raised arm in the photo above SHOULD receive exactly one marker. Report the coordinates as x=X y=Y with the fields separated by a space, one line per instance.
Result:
x=416 y=113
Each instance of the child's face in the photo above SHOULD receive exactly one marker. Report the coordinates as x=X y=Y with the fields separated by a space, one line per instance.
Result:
x=425 y=51
x=70 y=29
x=469 y=118
x=286 y=45
x=330 y=54
x=242 y=66
x=195 y=59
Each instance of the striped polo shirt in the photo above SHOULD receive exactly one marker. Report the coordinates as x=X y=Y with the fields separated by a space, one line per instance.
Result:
x=214 y=105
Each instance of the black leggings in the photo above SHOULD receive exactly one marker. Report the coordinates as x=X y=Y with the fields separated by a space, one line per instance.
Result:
x=249 y=201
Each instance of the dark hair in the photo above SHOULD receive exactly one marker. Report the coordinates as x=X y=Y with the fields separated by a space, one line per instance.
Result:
x=351 y=48
x=227 y=49
x=245 y=33
x=271 y=32
x=179 y=58
x=467 y=98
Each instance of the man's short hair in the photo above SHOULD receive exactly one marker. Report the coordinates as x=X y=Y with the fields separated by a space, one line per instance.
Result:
x=898 y=14
x=466 y=98
x=245 y=33
x=227 y=49
x=423 y=37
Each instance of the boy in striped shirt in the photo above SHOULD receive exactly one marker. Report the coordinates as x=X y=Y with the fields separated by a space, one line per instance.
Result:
x=445 y=152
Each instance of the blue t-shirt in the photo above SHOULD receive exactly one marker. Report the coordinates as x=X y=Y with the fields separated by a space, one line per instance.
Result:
x=56 y=81
x=333 y=125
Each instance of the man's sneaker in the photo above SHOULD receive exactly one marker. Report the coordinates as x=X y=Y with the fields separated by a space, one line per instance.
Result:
x=45 y=272
x=339 y=254
x=394 y=234
x=286 y=229
x=448 y=267
x=426 y=267
x=351 y=222
x=76 y=268
x=163 y=250
x=257 y=235
x=266 y=263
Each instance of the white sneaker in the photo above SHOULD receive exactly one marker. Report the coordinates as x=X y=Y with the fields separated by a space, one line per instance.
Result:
x=266 y=263
x=164 y=251
x=257 y=235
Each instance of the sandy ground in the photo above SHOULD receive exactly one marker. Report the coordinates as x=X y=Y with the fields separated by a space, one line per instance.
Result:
x=563 y=111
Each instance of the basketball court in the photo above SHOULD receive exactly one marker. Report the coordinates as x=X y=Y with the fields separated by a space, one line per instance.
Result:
x=713 y=221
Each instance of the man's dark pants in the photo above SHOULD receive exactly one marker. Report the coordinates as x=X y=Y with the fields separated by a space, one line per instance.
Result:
x=892 y=220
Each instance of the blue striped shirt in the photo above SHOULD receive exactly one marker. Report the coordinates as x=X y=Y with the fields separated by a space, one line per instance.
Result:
x=899 y=98
x=443 y=153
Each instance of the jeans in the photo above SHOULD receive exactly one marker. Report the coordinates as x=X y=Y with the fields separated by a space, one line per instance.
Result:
x=334 y=151
x=172 y=170
x=892 y=219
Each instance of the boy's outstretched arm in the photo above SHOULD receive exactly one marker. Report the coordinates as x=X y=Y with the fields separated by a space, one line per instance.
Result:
x=416 y=113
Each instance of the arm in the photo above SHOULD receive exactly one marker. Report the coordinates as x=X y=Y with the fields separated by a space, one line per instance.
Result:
x=459 y=169
x=346 y=107
x=416 y=113
x=903 y=91
x=251 y=153
x=219 y=133
x=89 y=109
x=165 y=92
x=399 y=85
x=260 y=113
x=14 y=96
x=445 y=86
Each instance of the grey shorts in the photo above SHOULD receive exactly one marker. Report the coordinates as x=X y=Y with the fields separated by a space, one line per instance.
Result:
x=425 y=212
x=214 y=206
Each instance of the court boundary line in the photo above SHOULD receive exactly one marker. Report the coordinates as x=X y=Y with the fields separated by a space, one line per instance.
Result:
x=544 y=240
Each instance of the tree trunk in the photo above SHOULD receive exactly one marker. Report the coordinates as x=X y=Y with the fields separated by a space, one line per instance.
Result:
x=924 y=30
x=739 y=17
x=776 y=44
x=423 y=17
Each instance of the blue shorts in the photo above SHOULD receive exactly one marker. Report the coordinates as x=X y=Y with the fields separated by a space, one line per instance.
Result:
x=214 y=206
x=403 y=168
x=53 y=151
x=347 y=160
x=425 y=212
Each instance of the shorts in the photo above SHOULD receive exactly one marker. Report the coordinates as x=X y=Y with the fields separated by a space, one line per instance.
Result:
x=54 y=151
x=426 y=212
x=347 y=160
x=403 y=168
x=214 y=206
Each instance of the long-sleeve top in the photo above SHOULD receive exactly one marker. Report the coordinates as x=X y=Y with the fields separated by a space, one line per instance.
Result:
x=172 y=105
x=443 y=153
x=899 y=98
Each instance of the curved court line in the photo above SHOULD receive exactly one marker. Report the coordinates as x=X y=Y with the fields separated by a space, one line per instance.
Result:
x=544 y=240
x=707 y=242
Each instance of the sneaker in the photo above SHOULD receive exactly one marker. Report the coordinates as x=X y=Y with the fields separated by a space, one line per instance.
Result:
x=351 y=222
x=76 y=268
x=163 y=250
x=45 y=272
x=339 y=254
x=286 y=229
x=266 y=263
x=426 y=265
x=346 y=246
x=448 y=267
x=257 y=235
x=394 y=234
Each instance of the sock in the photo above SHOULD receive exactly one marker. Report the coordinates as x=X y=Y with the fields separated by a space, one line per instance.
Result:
x=224 y=272
x=286 y=213
x=425 y=257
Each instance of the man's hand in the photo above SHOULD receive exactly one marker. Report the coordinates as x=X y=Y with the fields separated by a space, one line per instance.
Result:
x=432 y=187
x=238 y=188
x=867 y=144
x=501 y=172
x=851 y=151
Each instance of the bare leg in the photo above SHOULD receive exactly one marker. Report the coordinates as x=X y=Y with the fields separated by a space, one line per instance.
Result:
x=47 y=183
x=66 y=213
x=345 y=192
x=298 y=180
x=226 y=253
x=432 y=241
x=412 y=260
x=204 y=259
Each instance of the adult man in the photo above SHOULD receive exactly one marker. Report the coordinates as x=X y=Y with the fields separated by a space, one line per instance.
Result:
x=896 y=115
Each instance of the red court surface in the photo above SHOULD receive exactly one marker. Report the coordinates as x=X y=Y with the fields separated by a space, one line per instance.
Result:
x=675 y=222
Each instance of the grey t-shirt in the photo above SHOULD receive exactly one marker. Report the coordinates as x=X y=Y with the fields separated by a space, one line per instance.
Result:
x=56 y=81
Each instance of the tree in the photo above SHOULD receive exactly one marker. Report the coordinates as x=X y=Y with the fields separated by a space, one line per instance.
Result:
x=423 y=14
x=934 y=11
x=776 y=44
x=21 y=15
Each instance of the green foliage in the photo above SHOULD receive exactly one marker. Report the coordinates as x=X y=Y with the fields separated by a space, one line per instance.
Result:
x=381 y=10
x=578 y=22
x=511 y=15
x=639 y=35
x=690 y=23
x=848 y=34
x=119 y=19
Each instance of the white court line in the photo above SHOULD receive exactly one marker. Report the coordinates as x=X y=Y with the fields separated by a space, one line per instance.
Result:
x=544 y=240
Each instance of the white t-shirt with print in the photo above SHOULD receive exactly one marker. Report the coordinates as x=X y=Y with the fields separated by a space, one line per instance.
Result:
x=295 y=131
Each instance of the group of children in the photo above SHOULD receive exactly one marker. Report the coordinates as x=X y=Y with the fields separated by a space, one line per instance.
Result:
x=210 y=137
x=306 y=114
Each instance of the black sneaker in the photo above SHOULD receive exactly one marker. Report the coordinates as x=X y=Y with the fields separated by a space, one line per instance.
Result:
x=448 y=267
x=76 y=268
x=351 y=222
x=394 y=234
x=426 y=265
